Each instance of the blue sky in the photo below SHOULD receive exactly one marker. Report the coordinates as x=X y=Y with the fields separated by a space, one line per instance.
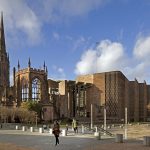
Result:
x=78 y=37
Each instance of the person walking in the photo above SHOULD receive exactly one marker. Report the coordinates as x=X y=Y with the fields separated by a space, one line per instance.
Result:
x=67 y=127
x=56 y=131
x=74 y=125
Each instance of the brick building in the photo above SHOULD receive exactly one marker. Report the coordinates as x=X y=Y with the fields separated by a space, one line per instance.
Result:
x=69 y=99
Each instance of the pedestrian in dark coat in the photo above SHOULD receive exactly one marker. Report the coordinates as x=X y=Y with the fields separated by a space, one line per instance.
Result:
x=56 y=131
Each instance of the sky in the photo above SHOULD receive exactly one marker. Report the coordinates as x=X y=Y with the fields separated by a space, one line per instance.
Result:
x=77 y=37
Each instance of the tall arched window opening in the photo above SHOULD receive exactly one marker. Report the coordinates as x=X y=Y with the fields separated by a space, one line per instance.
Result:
x=36 y=90
x=24 y=90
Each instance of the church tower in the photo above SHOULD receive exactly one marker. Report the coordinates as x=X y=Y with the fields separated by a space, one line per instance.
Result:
x=4 y=58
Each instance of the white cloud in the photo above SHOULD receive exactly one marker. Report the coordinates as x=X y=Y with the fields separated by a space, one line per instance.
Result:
x=79 y=7
x=111 y=56
x=20 y=17
x=87 y=63
x=142 y=48
x=26 y=17
x=56 y=36
x=106 y=56
x=60 y=70
x=79 y=42
x=58 y=73
x=55 y=10
x=68 y=37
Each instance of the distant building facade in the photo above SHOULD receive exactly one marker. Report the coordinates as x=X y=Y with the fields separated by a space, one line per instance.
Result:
x=73 y=99
x=113 y=91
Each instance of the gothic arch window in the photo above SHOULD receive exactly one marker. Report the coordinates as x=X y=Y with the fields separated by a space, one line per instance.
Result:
x=24 y=90
x=36 y=89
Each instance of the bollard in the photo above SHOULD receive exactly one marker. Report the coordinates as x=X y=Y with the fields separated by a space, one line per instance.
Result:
x=119 y=138
x=97 y=135
x=64 y=132
x=17 y=127
x=82 y=129
x=31 y=129
x=24 y=128
x=51 y=131
x=96 y=130
x=146 y=141
x=41 y=130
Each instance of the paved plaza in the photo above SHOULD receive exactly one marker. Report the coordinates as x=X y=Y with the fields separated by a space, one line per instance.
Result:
x=39 y=142
x=19 y=140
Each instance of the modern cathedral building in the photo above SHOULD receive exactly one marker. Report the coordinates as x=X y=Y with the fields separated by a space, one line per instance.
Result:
x=73 y=99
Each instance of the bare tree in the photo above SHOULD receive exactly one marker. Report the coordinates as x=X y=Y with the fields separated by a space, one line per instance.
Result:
x=24 y=115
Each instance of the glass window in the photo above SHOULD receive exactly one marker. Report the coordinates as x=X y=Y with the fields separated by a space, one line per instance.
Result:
x=24 y=90
x=36 y=89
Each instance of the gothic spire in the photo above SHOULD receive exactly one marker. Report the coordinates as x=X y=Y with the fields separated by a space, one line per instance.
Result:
x=44 y=65
x=2 y=35
x=29 y=63
x=14 y=73
x=18 y=65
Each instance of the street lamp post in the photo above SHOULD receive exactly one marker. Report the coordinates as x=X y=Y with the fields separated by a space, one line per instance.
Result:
x=91 y=116
x=104 y=119
x=126 y=121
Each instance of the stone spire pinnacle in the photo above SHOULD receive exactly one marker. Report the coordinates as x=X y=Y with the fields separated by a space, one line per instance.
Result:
x=44 y=66
x=2 y=35
x=18 y=65
x=29 y=63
